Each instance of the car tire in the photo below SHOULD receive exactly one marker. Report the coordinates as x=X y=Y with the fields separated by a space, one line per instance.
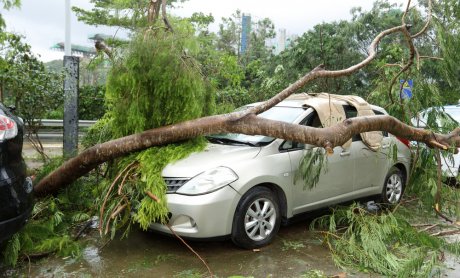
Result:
x=393 y=188
x=257 y=219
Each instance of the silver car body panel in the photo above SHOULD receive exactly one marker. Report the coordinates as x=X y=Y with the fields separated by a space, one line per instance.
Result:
x=201 y=216
x=352 y=173
x=212 y=156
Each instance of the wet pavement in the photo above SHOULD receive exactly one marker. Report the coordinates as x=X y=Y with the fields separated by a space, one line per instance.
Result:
x=295 y=251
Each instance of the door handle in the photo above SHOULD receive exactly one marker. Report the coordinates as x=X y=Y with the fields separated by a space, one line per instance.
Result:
x=385 y=146
x=342 y=154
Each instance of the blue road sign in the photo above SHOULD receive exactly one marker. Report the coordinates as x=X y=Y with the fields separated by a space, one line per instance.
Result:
x=406 y=88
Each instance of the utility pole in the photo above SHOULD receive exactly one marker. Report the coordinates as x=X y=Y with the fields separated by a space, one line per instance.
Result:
x=67 y=44
x=71 y=67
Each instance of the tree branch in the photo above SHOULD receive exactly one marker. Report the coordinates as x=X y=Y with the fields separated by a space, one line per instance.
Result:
x=327 y=138
x=248 y=122
x=320 y=72
x=428 y=21
x=165 y=17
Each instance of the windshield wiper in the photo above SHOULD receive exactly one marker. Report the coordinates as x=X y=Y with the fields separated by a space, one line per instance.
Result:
x=224 y=141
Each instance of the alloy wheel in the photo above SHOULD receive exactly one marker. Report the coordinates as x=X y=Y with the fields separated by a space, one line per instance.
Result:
x=260 y=219
x=394 y=188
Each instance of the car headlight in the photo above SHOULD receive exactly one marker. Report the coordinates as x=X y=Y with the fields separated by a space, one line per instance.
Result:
x=208 y=181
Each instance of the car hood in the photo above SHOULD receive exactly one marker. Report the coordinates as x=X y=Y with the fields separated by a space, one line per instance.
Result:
x=212 y=156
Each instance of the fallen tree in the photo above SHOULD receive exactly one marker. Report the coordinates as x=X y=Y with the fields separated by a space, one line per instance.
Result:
x=248 y=122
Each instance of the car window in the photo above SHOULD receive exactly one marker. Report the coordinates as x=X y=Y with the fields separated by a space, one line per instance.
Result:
x=376 y=112
x=312 y=120
x=351 y=112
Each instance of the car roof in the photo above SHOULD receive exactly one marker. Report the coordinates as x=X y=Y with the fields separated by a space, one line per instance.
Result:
x=446 y=108
x=300 y=101
x=441 y=108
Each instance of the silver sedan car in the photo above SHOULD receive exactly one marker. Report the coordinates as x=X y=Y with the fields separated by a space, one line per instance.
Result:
x=244 y=187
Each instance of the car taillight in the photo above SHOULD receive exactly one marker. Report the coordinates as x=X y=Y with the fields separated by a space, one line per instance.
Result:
x=8 y=128
x=404 y=141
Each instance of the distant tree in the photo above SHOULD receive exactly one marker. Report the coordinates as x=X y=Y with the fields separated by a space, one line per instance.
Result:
x=7 y=4
x=447 y=29
x=127 y=14
x=262 y=31
x=229 y=37
x=28 y=85
x=229 y=34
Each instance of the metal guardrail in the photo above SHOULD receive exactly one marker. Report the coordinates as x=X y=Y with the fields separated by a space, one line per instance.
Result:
x=59 y=123
x=52 y=129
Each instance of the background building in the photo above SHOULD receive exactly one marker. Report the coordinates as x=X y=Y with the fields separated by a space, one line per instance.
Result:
x=245 y=32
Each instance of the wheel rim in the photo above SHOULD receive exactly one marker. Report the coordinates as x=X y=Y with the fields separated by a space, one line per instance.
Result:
x=394 y=188
x=260 y=219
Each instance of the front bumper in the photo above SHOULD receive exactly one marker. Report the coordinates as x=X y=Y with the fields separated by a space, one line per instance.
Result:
x=202 y=216
x=16 y=204
x=11 y=226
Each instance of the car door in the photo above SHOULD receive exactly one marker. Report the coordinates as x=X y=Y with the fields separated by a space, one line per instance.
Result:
x=335 y=181
x=371 y=166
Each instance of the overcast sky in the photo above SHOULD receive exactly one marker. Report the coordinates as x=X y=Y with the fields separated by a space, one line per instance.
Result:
x=42 y=21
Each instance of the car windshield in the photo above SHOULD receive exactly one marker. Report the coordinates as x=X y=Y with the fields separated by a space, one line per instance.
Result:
x=278 y=113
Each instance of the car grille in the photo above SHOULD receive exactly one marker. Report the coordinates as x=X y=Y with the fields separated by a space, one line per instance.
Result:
x=173 y=184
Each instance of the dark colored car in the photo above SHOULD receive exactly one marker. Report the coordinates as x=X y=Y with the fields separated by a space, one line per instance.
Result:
x=16 y=190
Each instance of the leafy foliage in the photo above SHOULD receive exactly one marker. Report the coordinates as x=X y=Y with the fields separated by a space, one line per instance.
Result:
x=98 y=133
x=53 y=220
x=447 y=28
x=385 y=243
x=144 y=177
x=91 y=102
x=157 y=82
x=7 y=4
x=26 y=82
x=128 y=14
x=312 y=165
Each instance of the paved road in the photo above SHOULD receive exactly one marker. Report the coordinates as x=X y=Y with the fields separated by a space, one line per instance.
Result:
x=53 y=147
